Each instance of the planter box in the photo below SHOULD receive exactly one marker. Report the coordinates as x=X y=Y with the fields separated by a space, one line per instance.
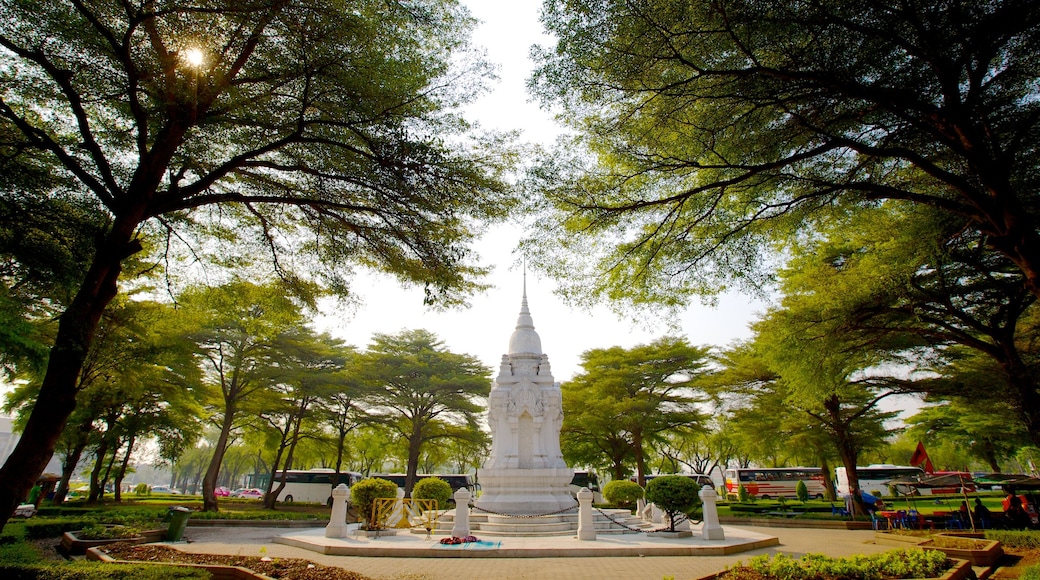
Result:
x=73 y=545
x=218 y=572
x=898 y=540
x=987 y=553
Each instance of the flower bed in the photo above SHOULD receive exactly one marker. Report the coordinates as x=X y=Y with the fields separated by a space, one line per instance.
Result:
x=978 y=551
x=74 y=545
x=896 y=564
x=224 y=567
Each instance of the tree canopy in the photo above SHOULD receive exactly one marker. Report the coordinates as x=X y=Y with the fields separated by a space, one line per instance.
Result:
x=422 y=391
x=626 y=398
x=707 y=129
x=322 y=134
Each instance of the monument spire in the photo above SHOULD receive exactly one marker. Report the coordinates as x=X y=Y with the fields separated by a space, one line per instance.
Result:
x=524 y=339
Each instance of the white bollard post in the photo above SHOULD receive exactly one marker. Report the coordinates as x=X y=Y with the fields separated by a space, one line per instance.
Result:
x=712 y=529
x=641 y=509
x=461 y=527
x=586 y=523
x=658 y=514
x=337 y=527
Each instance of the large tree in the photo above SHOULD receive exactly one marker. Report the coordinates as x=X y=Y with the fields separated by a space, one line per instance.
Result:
x=899 y=275
x=706 y=128
x=313 y=128
x=636 y=395
x=238 y=330
x=420 y=390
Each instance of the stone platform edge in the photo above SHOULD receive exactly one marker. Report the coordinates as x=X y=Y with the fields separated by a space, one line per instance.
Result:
x=796 y=523
x=535 y=552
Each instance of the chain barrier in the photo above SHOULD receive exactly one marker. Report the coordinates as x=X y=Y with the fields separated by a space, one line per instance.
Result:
x=524 y=516
x=680 y=520
x=621 y=524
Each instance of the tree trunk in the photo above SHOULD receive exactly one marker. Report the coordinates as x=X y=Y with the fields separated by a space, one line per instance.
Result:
x=100 y=454
x=637 y=450
x=847 y=451
x=414 y=447
x=57 y=398
x=209 y=482
x=268 y=496
x=293 y=440
x=121 y=472
x=828 y=481
x=68 y=467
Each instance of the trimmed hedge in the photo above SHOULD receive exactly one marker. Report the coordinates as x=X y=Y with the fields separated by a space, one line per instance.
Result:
x=433 y=488
x=100 y=571
x=254 y=515
x=1015 y=538
x=622 y=492
x=1031 y=573
x=675 y=495
x=907 y=563
x=364 y=493
x=54 y=527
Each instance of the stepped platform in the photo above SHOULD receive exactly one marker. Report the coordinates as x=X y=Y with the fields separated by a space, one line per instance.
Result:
x=408 y=545
x=611 y=521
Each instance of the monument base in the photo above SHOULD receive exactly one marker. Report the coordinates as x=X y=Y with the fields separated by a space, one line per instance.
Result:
x=525 y=491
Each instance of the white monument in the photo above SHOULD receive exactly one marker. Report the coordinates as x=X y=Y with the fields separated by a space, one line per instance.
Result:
x=526 y=474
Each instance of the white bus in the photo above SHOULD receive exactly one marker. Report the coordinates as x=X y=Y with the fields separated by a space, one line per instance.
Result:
x=306 y=485
x=774 y=482
x=875 y=477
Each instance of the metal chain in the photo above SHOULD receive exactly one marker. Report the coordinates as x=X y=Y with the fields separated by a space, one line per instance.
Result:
x=524 y=516
x=621 y=524
x=640 y=530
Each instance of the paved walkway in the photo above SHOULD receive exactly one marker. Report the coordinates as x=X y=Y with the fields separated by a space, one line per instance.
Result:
x=793 y=541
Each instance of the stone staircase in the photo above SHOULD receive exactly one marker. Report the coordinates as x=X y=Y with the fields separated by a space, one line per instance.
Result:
x=609 y=521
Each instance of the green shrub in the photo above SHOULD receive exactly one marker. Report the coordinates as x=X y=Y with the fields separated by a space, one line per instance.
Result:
x=801 y=492
x=908 y=563
x=143 y=489
x=56 y=511
x=365 y=492
x=675 y=494
x=19 y=553
x=742 y=494
x=54 y=527
x=99 y=571
x=1031 y=573
x=100 y=532
x=622 y=492
x=1027 y=539
x=433 y=488
x=254 y=515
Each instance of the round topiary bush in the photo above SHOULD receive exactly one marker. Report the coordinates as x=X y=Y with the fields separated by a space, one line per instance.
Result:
x=143 y=489
x=433 y=488
x=363 y=496
x=622 y=492
x=675 y=495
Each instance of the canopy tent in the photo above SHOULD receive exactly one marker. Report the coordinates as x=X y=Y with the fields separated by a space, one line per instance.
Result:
x=1008 y=480
x=936 y=484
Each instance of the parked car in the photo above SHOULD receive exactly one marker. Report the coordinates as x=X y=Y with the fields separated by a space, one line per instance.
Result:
x=164 y=489
x=249 y=493
x=222 y=492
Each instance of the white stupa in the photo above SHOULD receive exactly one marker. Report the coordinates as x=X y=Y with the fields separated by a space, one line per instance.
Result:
x=525 y=474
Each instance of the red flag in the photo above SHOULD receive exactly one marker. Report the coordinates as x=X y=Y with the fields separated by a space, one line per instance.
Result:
x=921 y=456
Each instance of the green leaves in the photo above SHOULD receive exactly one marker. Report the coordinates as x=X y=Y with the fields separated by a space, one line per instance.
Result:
x=706 y=132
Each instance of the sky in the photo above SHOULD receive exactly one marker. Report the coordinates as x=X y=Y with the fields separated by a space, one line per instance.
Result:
x=507 y=31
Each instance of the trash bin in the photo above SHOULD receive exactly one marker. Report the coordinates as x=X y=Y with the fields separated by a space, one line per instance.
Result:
x=178 y=521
